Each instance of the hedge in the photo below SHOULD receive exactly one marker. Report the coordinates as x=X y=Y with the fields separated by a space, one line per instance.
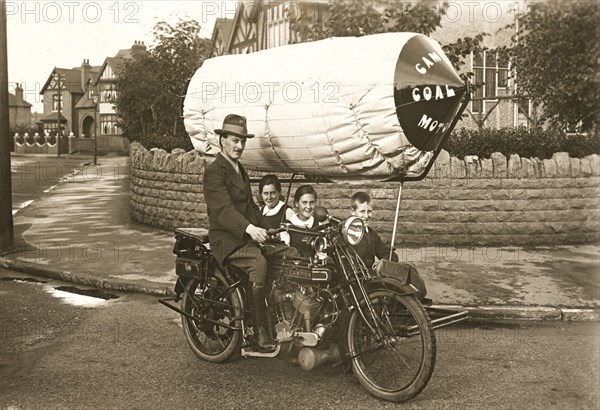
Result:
x=536 y=143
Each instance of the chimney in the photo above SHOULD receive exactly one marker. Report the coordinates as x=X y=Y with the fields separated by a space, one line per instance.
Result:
x=86 y=68
x=19 y=93
x=138 y=47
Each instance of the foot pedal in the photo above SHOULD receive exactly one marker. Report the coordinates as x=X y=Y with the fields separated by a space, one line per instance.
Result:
x=251 y=352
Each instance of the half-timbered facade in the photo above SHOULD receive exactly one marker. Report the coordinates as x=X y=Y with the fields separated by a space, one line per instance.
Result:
x=259 y=25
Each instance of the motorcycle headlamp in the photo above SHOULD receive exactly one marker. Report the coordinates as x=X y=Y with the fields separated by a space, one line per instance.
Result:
x=353 y=230
x=319 y=244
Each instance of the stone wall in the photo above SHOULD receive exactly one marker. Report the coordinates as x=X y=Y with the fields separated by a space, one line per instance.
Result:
x=495 y=201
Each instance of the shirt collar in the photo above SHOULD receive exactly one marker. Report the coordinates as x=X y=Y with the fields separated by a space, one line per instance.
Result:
x=266 y=211
x=300 y=223
x=235 y=164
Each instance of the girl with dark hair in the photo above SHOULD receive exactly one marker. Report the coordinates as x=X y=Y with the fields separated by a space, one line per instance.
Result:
x=305 y=200
x=274 y=211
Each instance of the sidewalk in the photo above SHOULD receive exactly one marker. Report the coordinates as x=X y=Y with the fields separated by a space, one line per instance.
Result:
x=81 y=232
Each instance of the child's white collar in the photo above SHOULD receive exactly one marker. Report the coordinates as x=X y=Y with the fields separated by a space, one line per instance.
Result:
x=296 y=221
x=266 y=211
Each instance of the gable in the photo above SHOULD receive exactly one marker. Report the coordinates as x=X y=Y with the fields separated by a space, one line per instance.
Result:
x=71 y=80
x=244 y=38
x=221 y=37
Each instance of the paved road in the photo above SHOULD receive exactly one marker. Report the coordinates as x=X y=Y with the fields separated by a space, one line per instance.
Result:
x=34 y=176
x=130 y=353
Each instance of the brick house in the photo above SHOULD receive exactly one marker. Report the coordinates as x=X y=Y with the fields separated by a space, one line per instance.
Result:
x=19 y=110
x=61 y=92
x=81 y=112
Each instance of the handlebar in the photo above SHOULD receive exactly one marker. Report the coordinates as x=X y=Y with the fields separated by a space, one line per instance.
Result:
x=288 y=227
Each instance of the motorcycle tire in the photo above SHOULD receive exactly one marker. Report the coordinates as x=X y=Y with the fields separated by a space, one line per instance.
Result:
x=398 y=367
x=209 y=340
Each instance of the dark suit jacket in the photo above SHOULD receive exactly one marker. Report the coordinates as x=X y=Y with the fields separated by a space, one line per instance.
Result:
x=230 y=207
x=370 y=246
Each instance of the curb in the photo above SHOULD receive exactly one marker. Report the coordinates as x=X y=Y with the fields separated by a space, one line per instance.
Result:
x=67 y=276
x=501 y=312
x=489 y=312
x=50 y=156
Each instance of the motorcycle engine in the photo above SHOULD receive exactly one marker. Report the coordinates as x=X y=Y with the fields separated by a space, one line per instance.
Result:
x=296 y=307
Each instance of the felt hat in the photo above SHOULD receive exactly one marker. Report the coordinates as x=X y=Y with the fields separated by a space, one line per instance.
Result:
x=234 y=124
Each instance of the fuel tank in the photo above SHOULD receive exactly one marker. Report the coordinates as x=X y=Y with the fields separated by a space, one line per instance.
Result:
x=373 y=106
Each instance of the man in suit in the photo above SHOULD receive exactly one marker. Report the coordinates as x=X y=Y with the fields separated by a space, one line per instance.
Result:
x=234 y=233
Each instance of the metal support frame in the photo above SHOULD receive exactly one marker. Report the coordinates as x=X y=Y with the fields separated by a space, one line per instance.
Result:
x=396 y=218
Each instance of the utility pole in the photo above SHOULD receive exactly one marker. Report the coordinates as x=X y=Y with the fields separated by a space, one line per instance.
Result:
x=6 y=219
x=96 y=99
x=59 y=132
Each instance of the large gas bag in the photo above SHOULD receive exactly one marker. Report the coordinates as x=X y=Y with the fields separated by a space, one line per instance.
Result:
x=374 y=106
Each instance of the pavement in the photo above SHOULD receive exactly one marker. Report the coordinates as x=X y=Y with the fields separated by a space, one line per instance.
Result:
x=81 y=232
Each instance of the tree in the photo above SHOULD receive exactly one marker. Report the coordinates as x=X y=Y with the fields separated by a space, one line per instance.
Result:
x=556 y=59
x=360 y=18
x=152 y=83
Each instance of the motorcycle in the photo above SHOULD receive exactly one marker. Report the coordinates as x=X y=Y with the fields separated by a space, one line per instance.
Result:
x=328 y=308
x=325 y=309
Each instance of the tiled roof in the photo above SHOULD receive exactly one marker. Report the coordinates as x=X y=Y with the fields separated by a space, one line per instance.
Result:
x=115 y=63
x=13 y=102
x=225 y=26
x=123 y=54
x=85 y=102
x=51 y=117
x=72 y=79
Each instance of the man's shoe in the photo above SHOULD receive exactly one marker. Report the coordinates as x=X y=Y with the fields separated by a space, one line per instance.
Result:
x=426 y=301
x=263 y=342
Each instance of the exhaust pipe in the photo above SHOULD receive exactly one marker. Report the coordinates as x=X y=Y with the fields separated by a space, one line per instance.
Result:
x=310 y=358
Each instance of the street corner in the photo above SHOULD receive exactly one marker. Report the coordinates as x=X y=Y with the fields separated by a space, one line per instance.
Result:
x=514 y=313
x=580 y=315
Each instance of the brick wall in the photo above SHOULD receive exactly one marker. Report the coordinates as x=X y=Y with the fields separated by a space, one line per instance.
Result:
x=495 y=201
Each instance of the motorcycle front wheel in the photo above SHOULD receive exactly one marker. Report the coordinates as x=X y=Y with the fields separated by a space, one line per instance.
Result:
x=397 y=365
x=215 y=310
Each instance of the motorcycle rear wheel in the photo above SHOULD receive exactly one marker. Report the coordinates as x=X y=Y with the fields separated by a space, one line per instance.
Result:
x=212 y=340
x=398 y=367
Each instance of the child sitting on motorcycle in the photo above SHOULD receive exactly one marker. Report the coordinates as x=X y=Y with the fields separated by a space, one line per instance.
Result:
x=272 y=214
x=371 y=245
x=274 y=210
x=305 y=200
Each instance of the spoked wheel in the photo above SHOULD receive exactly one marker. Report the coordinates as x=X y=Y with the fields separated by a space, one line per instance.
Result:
x=210 y=335
x=397 y=366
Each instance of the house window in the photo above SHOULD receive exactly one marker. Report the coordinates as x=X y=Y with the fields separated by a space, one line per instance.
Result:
x=56 y=102
x=51 y=127
x=108 y=125
x=278 y=26
x=491 y=75
x=108 y=93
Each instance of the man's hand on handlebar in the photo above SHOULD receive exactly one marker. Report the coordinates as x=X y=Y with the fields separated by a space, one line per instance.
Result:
x=274 y=233
x=256 y=233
